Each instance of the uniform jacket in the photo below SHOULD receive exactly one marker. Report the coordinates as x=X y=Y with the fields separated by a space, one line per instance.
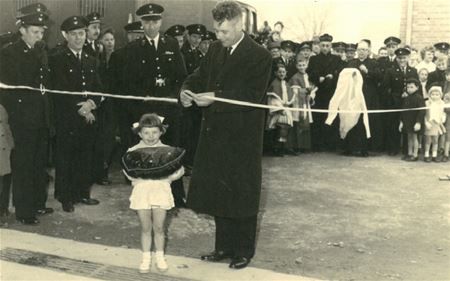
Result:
x=192 y=57
x=69 y=74
x=226 y=179
x=436 y=77
x=320 y=66
x=394 y=84
x=20 y=65
x=150 y=73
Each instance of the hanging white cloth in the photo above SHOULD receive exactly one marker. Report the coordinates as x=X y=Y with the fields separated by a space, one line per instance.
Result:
x=348 y=96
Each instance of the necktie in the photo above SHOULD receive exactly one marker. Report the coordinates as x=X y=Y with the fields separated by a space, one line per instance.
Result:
x=78 y=56
x=93 y=46
x=152 y=42
x=227 y=53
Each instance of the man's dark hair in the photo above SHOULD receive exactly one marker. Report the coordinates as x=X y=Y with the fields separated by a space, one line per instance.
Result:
x=226 y=10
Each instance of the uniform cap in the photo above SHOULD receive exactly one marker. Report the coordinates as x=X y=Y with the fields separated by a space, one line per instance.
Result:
x=442 y=46
x=31 y=9
x=150 y=12
x=175 y=30
x=392 y=40
x=196 y=29
x=36 y=19
x=134 y=27
x=325 y=38
x=402 y=52
x=93 y=17
x=74 y=22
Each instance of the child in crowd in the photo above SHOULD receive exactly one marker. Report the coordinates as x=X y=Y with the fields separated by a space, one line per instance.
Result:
x=434 y=123
x=152 y=198
x=438 y=76
x=6 y=145
x=427 y=55
x=410 y=121
x=280 y=94
x=304 y=90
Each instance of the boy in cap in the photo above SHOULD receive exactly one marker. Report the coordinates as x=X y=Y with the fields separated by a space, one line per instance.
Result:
x=350 y=51
x=153 y=66
x=286 y=59
x=91 y=46
x=191 y=54
x=323 y=70
x=274 y=48
x=207 y=39
x=339 y=49
x=177 y=32
x=24 y=63
x=304 y=50
x=74 y=70
x=134 y=31
x=394 y=84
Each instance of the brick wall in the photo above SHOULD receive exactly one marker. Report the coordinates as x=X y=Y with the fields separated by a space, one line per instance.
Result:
x=430 y=22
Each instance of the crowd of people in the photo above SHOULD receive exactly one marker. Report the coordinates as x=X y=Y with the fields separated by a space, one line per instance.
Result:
x=78 y=134
x=305 y=75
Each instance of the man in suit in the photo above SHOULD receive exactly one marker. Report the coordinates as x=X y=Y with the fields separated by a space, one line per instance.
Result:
x=72 y=69
x=226 y=181
x=323 y=70
x=394 y=84
x=91 y=46
x=24 y=63
x=154 y=67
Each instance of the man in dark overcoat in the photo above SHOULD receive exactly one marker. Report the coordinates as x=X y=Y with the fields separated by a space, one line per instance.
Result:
x=371 y=76
x=25 y=63
x=394 y=84
x=323 y=70
x=72 y=69
x=226 y=180
x=154 y=67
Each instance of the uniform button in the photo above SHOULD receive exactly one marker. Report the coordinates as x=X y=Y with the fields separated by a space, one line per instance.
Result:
x=203 y=119
x=158 y=67
x=84 y=83
x=207 y=129
x=83 y=77
x=159 y=75
x=41 y=68
x=157 y=59
x=20 y=100
x=42 y=77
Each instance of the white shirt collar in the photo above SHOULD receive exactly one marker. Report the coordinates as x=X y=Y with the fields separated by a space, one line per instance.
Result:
x=156 y=39
x=233 y=47
x=75 y=53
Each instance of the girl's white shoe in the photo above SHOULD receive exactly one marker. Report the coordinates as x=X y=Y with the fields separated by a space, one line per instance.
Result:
x=146 y=263
x=161 y=263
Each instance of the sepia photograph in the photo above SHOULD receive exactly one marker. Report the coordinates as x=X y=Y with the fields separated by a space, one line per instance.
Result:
x=224 y=140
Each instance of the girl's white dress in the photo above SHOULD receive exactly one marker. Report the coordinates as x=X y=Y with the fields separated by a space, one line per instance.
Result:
x=148 y=194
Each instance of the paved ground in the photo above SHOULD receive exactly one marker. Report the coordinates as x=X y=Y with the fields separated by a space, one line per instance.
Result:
x=322 y=216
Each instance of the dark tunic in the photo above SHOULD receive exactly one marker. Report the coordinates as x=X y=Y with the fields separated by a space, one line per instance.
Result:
x=436 y=77
x=410 y=118
x=29 y=120
x=192 y=57
x=155 y=74
x=394 y=84
x=226 y=180
x=74 y=136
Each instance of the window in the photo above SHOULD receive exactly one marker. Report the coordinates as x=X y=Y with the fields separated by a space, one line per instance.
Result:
x=89 y=6
x=244 y=19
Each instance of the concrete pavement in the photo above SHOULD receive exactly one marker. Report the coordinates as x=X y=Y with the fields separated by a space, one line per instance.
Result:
x=104 y=258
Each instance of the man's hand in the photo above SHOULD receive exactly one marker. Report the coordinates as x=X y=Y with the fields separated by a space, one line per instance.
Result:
x=417 y=127
x=85 y=107
x=329 y=76
x=400 y=127
x=202 y=100
x=321 y=79
x=363 y=68
x=186 y=98
x=90 y=118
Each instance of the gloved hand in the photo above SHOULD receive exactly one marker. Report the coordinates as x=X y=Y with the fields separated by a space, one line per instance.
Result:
x=86 y=107
x=186 y=98
x=417 y=127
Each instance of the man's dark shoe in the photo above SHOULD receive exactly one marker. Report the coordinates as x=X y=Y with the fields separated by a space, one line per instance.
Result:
x=215 y=256
x=239 y=262
x=28 y=221
x=89 y=201
x=68 y=207
x=44 y=211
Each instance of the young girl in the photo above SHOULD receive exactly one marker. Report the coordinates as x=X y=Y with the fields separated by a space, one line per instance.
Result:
x=410 y=121
x=152 y=198
x=434 y=122
x=279 y=94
